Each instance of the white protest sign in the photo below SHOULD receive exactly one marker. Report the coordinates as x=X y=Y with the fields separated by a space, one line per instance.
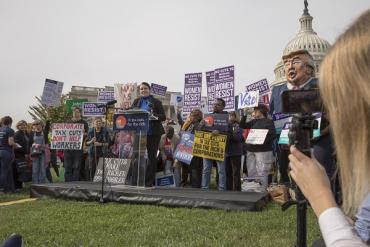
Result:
x=52 y=92
x=67 y=136
x=256 y=136
x=248 y=99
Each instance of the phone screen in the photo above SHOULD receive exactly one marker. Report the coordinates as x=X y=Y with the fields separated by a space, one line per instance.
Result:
x=301 y=101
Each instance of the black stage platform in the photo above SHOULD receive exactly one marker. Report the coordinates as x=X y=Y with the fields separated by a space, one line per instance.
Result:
x=174 y=197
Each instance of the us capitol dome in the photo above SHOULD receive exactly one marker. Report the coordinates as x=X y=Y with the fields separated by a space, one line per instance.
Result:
x=307 y=39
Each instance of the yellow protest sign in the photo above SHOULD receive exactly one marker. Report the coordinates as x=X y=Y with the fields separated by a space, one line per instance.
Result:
x=209 y=146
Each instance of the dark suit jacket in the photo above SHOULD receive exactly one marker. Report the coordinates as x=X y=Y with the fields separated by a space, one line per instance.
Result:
x=154 y=125
x=275 y=101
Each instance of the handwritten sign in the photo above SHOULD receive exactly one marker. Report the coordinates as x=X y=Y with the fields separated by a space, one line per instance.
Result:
x=257 y=136
x=125 y=94
x=248 y=99
x=184 y=150
x=93 y=109
x=67 y=136
x=209 y=146
x=115 y=170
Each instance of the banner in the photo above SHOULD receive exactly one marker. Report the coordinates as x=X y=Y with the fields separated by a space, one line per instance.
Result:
x=131 y=120
x=184 y=150
x=93 y=109
x=70 y=103
x=52 y=93
x=209 y=146
x=125 y=94
x=159 y=90
x=67 y=136
x=224 y=86
x=105 y=96
x=115 y=170
x=218 y=122
x=256 y=136
x=176 y=100
x=248 y=99
x=210 y=78
x=192 y=92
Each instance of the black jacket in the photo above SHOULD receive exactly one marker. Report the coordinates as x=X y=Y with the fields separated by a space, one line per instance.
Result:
x=263 y=123
x=154 y=125
x=24 y=140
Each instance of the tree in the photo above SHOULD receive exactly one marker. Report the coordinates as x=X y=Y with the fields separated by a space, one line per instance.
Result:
x=54 y=114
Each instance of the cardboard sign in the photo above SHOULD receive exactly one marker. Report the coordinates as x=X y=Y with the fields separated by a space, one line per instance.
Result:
x=70 y=103
x=192 y=92
x=52 y=93
x=248 y=99
x=209 y=146
x=115 y=170
x=105 y=96
x=218 y=122
x=164 y=180
x=132 y=120
x=184 y=150
x=67 y=136
x=125 y=94
x=93 y=109
x=256 y=136
x=210 y=79
x=159 y=90
x=224 y=86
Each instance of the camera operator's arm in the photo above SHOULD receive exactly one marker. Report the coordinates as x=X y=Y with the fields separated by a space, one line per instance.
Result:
x=314 y=183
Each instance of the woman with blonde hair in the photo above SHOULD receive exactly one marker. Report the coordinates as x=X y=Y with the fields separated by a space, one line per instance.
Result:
x=345 y=89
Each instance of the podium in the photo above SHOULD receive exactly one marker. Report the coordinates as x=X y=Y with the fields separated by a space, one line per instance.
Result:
x=131 y=128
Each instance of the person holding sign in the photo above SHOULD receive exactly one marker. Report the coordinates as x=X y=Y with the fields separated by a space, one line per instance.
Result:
x=73 y=158
x=147 y=102
x=345 y=90
x=218 y=108
x=260 y=156
x=97 y=140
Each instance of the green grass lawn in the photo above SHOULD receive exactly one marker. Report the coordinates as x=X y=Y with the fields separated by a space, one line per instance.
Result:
x=51 y=222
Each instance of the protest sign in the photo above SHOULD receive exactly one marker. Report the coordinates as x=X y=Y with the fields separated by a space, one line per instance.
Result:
x=209 y=146
x=284 y=138
x=93 y=109
x=70 y=103
x=279 y=120
x=192 y=92
x=248 y=99
x=210 y=79
x=261 y=86
x=224 y=86
x=105 y=96
x=67 y=136
x=132 y=120
x=52 y=93
x=184 y=150
x=256 y=136
x=115 y=170
x=159 y=90
x=215 y=121
x=166 y=180
x=176 y=100
x=125 y=94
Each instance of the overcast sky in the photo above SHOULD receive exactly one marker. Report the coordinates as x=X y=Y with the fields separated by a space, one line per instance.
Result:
x=97 y=43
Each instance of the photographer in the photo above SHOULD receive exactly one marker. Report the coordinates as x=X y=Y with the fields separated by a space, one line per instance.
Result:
x=345 y=87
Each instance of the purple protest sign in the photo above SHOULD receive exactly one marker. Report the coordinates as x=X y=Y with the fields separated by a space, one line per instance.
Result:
x=210 y=78
x=262 y=86
x=192 y=92
x=105 y=96
x=94 y=109
x=224 y=86
x=159 y=90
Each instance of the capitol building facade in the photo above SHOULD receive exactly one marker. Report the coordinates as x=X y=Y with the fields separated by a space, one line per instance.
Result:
x=306 y=39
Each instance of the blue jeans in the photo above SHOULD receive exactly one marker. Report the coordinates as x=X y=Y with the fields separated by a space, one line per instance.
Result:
x=72 y=164
x=6 y=174
x=38 y=170
x=206 y=174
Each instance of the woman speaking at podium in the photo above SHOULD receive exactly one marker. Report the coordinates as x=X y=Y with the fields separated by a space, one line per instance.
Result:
x=147 y=102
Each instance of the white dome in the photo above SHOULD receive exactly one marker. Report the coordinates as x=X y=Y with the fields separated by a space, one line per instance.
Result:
x=306 y=39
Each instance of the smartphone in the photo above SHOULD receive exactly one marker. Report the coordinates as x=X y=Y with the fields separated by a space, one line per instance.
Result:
x=301 y=101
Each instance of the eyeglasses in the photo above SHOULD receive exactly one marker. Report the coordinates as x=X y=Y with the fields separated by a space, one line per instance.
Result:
x=294 y=61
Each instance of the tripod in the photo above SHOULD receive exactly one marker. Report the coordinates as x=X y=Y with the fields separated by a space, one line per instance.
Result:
x=300 y=135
